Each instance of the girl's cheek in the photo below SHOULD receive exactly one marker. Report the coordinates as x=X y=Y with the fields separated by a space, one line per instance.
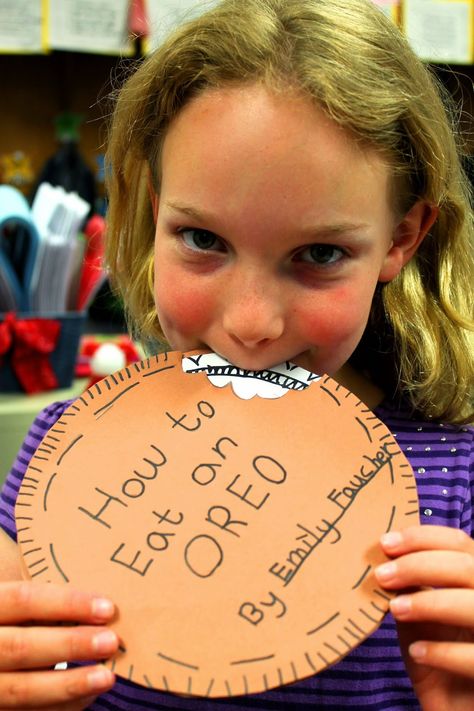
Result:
x=328 y=321
x=183 y=309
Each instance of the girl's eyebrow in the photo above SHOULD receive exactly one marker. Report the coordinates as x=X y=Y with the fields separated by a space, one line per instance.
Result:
x=336 y=229
x=188 y=210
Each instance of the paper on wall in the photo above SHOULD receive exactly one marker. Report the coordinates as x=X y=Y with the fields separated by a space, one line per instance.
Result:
x=99 y=26
x=22 y=26
x=440 y=30
x=165 y=15
x=391 y=8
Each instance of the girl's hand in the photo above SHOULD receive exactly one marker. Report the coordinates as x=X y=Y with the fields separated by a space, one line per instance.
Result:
x=433 y=568
x=33 y=639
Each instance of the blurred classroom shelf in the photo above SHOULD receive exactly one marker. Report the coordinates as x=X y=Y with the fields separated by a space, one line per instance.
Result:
x=17 y=412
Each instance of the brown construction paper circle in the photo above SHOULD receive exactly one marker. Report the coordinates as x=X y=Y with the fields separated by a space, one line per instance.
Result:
x=237 y=537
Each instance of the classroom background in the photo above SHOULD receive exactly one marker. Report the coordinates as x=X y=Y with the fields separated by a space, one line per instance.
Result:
x=61 y=326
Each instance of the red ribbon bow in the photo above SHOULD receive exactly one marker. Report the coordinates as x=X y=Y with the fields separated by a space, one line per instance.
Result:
x=31 y=341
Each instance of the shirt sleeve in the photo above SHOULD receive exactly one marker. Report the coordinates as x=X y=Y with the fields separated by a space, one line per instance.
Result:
x=467 y=519
x=9 y=492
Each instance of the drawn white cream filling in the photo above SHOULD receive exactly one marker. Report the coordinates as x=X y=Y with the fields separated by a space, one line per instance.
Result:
x=270 y=383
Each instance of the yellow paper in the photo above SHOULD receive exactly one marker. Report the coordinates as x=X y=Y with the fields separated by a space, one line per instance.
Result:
x=391 y=8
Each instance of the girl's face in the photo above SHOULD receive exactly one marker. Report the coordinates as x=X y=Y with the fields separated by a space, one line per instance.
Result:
x=273 y=228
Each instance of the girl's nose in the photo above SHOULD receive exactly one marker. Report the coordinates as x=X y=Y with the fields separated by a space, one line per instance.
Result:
x=254 y=316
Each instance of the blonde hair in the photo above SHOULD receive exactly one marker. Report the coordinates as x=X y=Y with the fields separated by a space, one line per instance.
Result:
x=351 y=60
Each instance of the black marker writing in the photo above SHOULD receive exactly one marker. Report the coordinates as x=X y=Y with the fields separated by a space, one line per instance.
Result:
x=205 y=409
x=203 y=555
x=98 y=515
x=156 y=541
x=132 y=488
x=250 y=612
x=312 y=537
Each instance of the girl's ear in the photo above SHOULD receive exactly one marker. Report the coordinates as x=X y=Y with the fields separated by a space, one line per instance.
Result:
x=154 y=199
x=408 y=235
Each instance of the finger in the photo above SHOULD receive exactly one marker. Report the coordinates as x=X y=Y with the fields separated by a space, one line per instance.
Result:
x=37 y=690
x=446 y=607
x=417 y=538
x=455 y=657
x=35 y=647
x=25 y=601
x=438 y=568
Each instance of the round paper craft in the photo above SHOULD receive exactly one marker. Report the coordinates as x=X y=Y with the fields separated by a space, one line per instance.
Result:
x=233 y=516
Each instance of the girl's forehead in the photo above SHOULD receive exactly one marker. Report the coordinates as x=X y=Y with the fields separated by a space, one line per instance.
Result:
x=255 y=118
x=249 y=139
x=254 y=110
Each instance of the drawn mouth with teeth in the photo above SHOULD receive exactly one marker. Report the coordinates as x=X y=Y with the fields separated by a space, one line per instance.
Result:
x=269 y=383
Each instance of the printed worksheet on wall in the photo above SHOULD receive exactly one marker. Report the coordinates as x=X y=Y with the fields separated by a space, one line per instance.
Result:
x=22 y=26
x=99 y=26
x=164 y=15
x=440 y=30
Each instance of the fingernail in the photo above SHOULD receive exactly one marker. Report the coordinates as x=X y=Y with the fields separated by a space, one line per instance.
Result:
x=401 y=606
x=102 y=607
x=391 y=539
x=417 y=650
x=105 y=642
x=386 y=571
x=100 y=678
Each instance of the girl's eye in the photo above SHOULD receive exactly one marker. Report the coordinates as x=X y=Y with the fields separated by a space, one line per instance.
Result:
x=200 y=240
x=322 y=254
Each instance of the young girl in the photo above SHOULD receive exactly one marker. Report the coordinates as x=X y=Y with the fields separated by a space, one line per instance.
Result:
x=285 y=185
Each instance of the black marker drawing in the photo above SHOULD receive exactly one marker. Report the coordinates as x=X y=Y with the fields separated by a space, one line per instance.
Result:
x=55 y=561
x=324 y=624
x=310 y=662
x=68 y=448
x=269 y=383
x=179 y=662
x=102 y=410
x=362 y=577
x=46 y=491
x=331 y=395
x=254 y=661
x=365 y=428
x=158 y=370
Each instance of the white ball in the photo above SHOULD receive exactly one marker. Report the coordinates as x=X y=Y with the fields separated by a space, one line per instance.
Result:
x=107 y=359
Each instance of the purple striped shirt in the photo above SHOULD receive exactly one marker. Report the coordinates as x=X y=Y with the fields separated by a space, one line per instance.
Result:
x=372 y=677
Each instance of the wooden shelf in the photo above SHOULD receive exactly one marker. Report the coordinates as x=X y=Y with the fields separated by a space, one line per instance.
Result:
x=36 y=88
